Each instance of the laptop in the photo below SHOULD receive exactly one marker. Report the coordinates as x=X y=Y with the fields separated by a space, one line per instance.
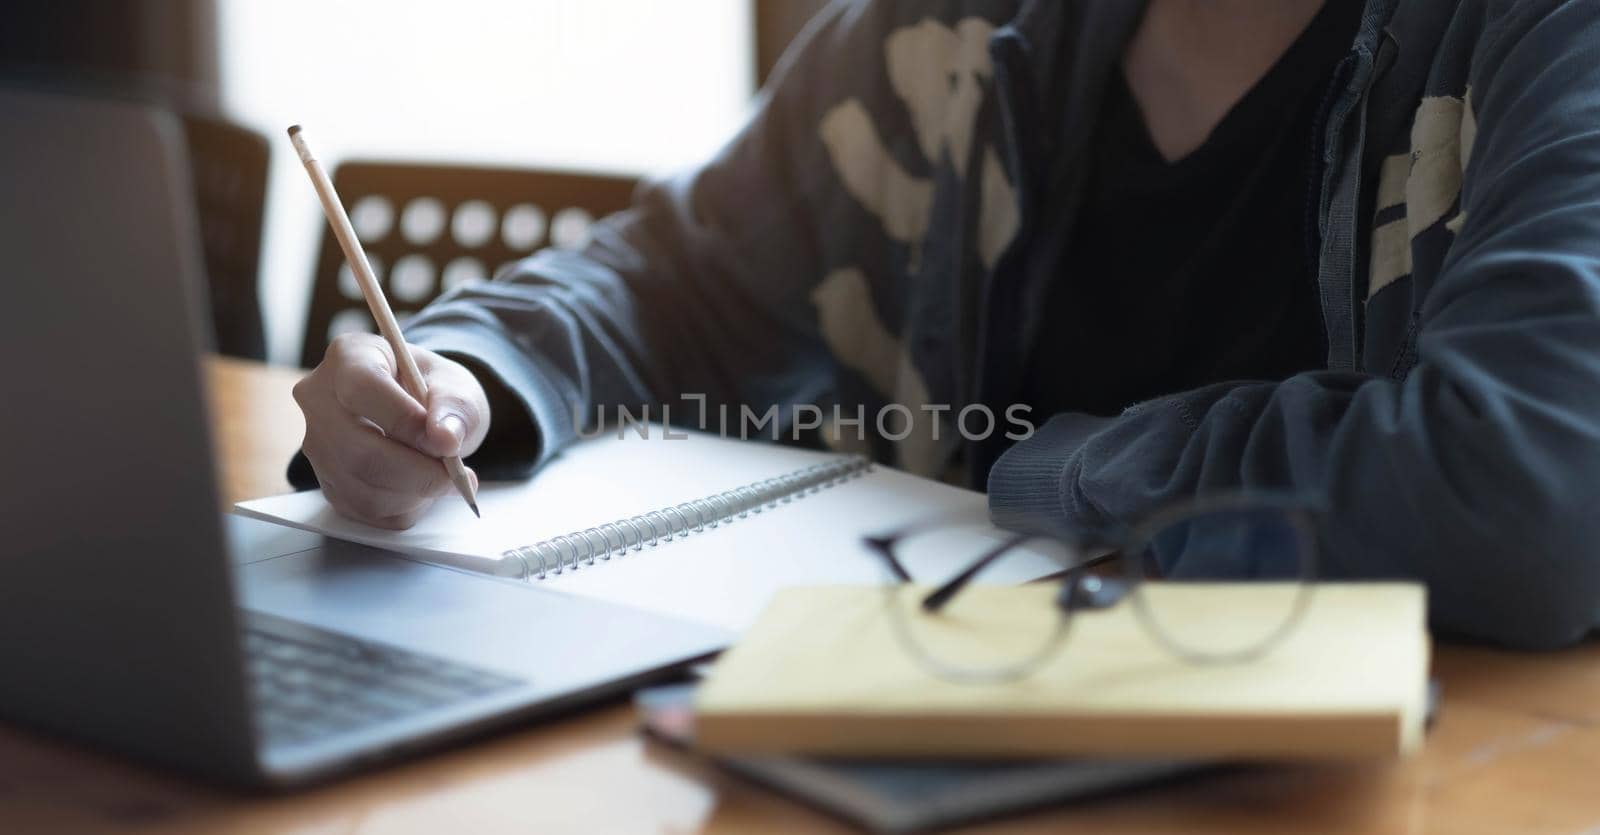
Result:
x=136 y=616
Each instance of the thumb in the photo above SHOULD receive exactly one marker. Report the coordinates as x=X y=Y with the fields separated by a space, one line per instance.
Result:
x=446 y=433
x=453 y=423
x=458 y=411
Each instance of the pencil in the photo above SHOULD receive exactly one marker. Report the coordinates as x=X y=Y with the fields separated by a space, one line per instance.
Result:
x=410 y=375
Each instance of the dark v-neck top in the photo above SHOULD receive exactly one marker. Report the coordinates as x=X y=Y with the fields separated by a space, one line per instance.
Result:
x=1200 y=270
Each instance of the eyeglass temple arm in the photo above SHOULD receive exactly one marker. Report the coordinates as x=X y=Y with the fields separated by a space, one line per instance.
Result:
x=883 y=546
x=941 y=595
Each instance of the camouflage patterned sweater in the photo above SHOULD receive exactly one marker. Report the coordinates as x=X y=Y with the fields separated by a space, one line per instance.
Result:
x=866 y=239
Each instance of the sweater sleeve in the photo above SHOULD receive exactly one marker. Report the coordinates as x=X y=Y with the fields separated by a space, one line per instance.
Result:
x=702 y=288
x=1475 y=473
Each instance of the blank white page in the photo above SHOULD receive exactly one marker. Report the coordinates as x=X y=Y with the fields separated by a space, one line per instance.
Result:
x=725 y=576
x=722 y=575
x=590 y=483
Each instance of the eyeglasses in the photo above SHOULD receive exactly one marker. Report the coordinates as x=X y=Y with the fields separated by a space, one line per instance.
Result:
x=958 y=632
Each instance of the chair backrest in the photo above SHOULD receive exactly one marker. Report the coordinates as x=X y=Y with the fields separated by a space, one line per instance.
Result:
x=228 y=168
x=428 y=229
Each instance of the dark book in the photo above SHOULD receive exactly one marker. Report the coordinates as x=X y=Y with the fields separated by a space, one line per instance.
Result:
x=903 y=797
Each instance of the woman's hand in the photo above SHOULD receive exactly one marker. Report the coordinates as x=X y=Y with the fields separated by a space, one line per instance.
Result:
x=375 y=449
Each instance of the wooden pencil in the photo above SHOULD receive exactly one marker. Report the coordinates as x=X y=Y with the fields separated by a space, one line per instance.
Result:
x=410 y=375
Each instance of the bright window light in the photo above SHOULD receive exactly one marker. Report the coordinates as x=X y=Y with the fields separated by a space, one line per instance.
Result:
x=626 y=86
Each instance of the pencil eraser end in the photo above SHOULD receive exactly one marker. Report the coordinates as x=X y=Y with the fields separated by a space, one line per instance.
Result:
x=294 y=130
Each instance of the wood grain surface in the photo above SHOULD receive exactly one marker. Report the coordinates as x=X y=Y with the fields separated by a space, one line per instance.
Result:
x=1516 y=750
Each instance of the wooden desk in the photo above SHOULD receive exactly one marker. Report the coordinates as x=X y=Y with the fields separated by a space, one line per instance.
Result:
x=1517 y=750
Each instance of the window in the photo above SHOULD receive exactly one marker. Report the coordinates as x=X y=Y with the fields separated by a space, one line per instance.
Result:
x=631 y=86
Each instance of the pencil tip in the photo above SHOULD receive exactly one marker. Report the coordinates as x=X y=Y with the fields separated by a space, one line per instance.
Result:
x=294 y=130
x=474 y=505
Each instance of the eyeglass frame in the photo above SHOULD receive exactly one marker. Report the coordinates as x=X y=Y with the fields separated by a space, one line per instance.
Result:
x=1082 y=591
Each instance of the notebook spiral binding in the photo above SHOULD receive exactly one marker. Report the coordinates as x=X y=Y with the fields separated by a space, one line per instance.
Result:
x=583 y=548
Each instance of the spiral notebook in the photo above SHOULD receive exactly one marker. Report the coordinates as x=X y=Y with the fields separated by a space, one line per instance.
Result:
x=698 y=527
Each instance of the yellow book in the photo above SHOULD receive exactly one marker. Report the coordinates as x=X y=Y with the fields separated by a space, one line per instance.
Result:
x=823 y=673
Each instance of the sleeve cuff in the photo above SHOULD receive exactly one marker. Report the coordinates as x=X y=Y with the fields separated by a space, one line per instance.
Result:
x=300 y=475
x=531 y=419
x=1033 y=486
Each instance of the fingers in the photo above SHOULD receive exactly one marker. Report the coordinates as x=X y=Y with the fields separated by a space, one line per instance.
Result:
x=383 y=464
x=393 y=501
x=456 y=418
x=358 y=373
x=365 y=386
x=374 y=447
x=355 y=505
x=376 y=480
x=371 y=392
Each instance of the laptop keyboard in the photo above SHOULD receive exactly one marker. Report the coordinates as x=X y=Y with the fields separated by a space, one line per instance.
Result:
x=309 y=684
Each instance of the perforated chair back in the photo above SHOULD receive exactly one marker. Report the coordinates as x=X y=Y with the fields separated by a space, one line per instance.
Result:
x=428 y=229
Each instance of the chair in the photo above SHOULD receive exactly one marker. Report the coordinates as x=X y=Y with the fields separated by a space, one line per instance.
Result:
x=428 y=229
x=228 y=167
